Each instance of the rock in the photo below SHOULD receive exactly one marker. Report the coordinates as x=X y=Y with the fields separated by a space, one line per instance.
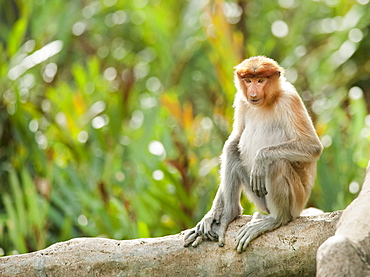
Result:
x=288 y=251
x=347 y=253
x=311 y=211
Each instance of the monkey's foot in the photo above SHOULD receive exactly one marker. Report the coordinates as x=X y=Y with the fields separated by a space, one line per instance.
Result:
x=253 y=229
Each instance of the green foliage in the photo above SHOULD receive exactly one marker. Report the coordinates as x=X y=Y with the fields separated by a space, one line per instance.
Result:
x=113 y=113
x=26 y=214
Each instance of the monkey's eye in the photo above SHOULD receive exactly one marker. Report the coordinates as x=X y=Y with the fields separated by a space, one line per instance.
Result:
x=261 y=80
x=247 y=80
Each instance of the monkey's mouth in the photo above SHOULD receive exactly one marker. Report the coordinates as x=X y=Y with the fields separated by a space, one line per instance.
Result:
x=255 y=101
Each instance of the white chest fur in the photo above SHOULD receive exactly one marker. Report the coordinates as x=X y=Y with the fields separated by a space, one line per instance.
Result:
x=261 y=131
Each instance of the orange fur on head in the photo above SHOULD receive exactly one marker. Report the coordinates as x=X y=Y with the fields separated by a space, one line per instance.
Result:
x=258 y=67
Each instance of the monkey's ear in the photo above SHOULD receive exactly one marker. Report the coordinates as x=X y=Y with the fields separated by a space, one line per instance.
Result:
x=276 y=75
x=240 y=75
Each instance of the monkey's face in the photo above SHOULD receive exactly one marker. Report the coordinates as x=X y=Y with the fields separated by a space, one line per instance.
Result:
x=253 y=89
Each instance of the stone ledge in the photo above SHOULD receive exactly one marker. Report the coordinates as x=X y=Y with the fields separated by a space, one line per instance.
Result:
x=288 y=251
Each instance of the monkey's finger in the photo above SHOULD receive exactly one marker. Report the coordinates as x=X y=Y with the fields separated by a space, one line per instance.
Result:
x=243 y=241
x=197 y=228
x=241 y=233
x=200 y=229
x=211 y=235
x=189 y=233
x=207 y=226
x=264 y=190
x=257 y=187
x=261 y=187
x=190 y=240
x=221 y=238
x=238 y=239
x=252 y=182
x=198 y=240
x=245 y=244
x=239 y=247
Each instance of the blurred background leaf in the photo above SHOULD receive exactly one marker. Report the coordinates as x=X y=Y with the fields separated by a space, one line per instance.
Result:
x=113 y=114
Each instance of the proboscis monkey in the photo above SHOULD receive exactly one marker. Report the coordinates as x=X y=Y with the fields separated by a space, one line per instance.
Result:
x=271 y=154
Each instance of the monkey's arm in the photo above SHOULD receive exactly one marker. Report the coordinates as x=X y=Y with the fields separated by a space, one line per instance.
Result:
x=304 y=145
x=299 y=150
x=226 y=205
x=293 y=151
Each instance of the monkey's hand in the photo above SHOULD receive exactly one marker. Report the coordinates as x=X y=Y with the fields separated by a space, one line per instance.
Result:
x=209 y=228
x=258 y=177
x=202 y=231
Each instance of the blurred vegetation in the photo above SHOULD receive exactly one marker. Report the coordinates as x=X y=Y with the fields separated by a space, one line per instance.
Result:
x=113 y=113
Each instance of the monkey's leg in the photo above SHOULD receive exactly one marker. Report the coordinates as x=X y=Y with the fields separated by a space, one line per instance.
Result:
x=284 y=201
